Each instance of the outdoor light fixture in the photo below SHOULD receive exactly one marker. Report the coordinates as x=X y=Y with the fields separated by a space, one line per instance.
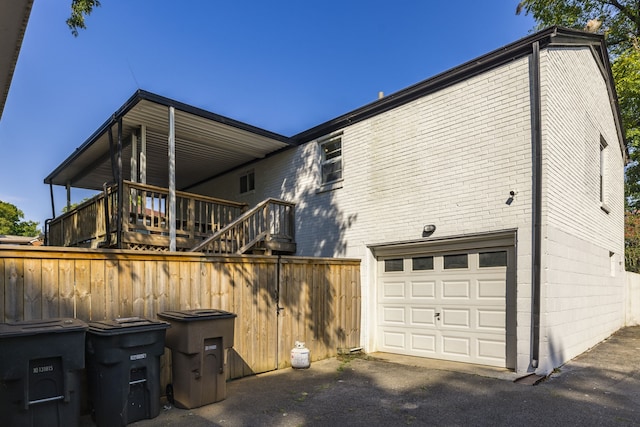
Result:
x=428 y=230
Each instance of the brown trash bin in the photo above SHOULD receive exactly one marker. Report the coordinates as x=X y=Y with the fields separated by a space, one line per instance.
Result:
x=198 y=340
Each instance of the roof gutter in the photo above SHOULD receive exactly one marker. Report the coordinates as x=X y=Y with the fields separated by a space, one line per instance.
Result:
x=455 y=75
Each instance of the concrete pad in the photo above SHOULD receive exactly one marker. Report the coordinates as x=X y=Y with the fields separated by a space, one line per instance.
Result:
x=600 y=387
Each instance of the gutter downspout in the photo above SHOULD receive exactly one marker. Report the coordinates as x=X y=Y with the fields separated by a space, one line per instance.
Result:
x=536 y=250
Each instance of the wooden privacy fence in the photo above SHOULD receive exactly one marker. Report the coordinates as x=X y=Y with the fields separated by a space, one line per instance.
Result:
x=278 y=300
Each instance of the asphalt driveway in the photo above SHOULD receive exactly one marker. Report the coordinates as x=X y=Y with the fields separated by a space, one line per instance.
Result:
x=600 y=388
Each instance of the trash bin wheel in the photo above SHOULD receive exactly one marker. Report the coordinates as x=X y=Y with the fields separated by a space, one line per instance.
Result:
x=169 y=393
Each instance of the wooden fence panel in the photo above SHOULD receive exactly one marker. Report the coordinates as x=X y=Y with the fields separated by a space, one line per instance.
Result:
x=277 y=300
x=67 y=287
x=50 y=289
x=14 y=290
x=32 y=288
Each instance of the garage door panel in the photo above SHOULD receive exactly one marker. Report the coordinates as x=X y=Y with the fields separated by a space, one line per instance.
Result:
x=393 y=315
x=393 y=289
x=426 y=290
x=422 y=316
x=454 y=313
x=423 y=343
x=393 y=340
x=456 y=345
x=492 y=319
x=452 y=289
x=491 y=349
x=456 y=318
x=492 y=289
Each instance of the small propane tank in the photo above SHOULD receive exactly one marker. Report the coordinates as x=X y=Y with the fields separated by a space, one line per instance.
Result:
x=300 y=356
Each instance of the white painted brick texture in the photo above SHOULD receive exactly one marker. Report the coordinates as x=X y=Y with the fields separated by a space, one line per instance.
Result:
x=450 y=159
x=582 y=292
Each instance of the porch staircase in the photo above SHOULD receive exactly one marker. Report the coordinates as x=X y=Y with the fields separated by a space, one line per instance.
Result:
x=268 y=228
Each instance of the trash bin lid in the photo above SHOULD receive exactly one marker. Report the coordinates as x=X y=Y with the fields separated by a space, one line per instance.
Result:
x=195 y=315
x=47 y=326
x=125 y=325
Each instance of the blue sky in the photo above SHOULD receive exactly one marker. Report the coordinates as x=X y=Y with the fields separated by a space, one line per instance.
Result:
x=284 y=66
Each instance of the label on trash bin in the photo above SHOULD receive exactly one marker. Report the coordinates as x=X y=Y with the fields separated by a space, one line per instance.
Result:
x=42 y=369
x=138 y=356
x=210 y=347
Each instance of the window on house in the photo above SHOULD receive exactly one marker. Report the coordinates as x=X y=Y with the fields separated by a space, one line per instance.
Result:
x=247 y=182
x=493 y=259
x=456 y=261
x=391 y=265
x=603 y=175
x=331 y=159
x=612 y=263
x=422 y=263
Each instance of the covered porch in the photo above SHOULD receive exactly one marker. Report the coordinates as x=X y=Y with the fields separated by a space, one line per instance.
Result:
x=142 y=162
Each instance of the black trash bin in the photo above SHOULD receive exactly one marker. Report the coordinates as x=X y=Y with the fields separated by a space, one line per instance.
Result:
x=41 y=362
x=198 y=339
x=123 y=369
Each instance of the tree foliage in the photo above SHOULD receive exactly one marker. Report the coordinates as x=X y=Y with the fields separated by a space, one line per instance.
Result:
x=11 y=222
x=626 y=73
x=619 y=20
x=632 y=241
x=79 y=10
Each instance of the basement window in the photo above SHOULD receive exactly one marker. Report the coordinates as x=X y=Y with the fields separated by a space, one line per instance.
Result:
x=247 y=182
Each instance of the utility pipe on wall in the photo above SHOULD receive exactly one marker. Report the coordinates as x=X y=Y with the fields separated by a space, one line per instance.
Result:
x=536 y=237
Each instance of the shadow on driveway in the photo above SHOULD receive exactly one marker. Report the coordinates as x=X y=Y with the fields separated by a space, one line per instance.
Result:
x=600 y=387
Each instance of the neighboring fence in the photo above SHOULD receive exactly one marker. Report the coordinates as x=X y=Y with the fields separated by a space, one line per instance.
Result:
x=632 y=297
x=278 y=300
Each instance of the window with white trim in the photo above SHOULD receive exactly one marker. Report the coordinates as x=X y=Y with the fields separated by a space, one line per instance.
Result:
x=247 y=182
x=603 y=175
x=331 y=167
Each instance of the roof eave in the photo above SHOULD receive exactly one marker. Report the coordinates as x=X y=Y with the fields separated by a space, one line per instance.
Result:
x=454 y=75
x=15 y=13
x=141 y=95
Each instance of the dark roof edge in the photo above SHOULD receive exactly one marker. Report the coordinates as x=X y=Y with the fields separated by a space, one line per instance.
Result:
x=16 y=54
x=140 y=95
x=158 y=99
x=454 y=75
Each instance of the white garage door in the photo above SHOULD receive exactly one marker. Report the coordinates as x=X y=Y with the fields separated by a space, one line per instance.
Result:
x=450 y=306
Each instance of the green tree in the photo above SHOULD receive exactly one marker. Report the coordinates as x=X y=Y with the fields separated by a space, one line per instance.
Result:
x=79 y=10
x=11 y=222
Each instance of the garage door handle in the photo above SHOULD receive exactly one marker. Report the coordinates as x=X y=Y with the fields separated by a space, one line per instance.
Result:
x=437 y=316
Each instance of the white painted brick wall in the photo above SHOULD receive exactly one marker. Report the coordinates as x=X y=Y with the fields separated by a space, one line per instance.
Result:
x=450 y=159
x=582 y=301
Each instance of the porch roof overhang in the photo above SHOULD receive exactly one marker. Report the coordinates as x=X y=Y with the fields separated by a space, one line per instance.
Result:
x=13 y=24
x=207 y=145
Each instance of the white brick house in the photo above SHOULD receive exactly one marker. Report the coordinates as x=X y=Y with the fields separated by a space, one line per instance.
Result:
x=449 y=152
x=486 y=203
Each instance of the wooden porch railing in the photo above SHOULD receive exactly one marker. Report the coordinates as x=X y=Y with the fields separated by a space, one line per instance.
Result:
x=86 y=225
x=270 y=226
x=144 y=219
